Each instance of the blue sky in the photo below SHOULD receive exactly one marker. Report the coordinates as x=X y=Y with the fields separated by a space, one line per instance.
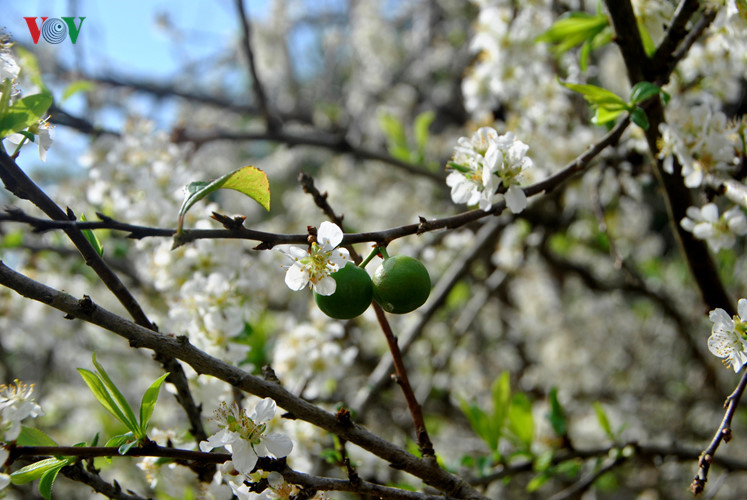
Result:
x=123 y=36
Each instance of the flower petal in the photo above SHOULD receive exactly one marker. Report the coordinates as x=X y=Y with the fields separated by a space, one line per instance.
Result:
x=264 y=411
x=278 y=445
x=243 y=456
x=329 y=235
x=516 y=200
x=325 y=286
x=296 y=277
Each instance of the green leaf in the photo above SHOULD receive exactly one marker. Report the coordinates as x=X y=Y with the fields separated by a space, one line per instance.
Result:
x=101 y=394
x=638 y=116
x=520 y=420
x=597 y=96
x=556 y=416
x=91 y=237
x=148 y=404
x=126 y=447
x=537 y=481
x=642 y=91
x=604 y=422
x=393 y=129
x=47 y=481
x=248 y=180
x=31 y=436
x=120 y=439
x=648 y=44
x=34 y=471
x=420 y=129
x=75 y=87
x=480 y=422
x=501 y=394
x=122 y=403
x=573 y=29
x=24 y=113
x=604 y=116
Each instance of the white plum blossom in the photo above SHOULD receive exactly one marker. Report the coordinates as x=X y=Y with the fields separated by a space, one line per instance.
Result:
x=728 y=338
x=703 y=141
x=277 y=488
x=484 y=162
x=313 y=266
x=16 y=404
x=719 y=232
x=244 y=436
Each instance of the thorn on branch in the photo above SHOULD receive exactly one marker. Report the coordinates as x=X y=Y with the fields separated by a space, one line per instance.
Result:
x=343 y=417
x=230 y=223
x=86 y=305
x=269 y=374
x=422 y=226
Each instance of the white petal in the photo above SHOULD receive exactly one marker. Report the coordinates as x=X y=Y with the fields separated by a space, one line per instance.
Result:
x=687 y=224
x=264 y=411
x=516 y=200
x=278 y=445
x=710 y=212
x=485 y=204
x=742 y=307
x=296 y=277
x=294 y=253
x=454 y=178
x=275 y=479
x=243 y=456
x=339 y=257
x=492 y=157
x=720 y=319
x=704 y=231
x=329 y=235
x=242 y=491
x=220 y=438
x=325 y=286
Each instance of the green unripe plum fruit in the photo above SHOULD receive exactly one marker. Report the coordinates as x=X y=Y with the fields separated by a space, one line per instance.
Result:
x=401 y=284
x=352 y=296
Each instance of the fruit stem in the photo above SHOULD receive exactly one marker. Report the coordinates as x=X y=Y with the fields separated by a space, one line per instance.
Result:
x=424 y=442
x=373 y=254
x=383 y=252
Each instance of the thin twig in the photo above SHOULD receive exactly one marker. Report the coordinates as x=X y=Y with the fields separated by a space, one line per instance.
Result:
x=421 y=433
x=268 y=240
x=722 y=433
x=272 y=122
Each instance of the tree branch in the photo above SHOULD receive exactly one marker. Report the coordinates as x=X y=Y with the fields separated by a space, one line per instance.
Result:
x=180 y=348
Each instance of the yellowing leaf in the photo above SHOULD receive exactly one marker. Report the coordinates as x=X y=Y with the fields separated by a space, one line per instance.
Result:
x=248 y=180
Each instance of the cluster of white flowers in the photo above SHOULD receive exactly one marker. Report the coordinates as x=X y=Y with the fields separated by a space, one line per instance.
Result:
x=310 y=358
x=244 y=436
x=483 y=163
x=16 y=405
x=313 y=267
x=728 y=338
x=704 y=142
x=10 y=70
x=719 y=232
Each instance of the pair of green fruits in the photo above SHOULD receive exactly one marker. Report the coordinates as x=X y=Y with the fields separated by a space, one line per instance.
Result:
x=400 y=284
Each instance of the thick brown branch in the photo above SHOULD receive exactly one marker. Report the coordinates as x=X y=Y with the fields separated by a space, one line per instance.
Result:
x=180 y=348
